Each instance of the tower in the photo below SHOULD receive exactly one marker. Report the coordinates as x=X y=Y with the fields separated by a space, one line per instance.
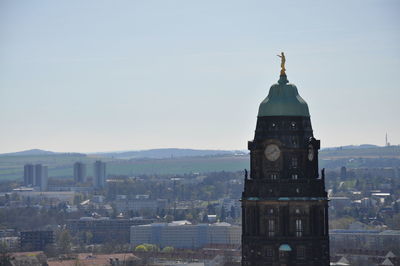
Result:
x=284 y=203
x=36 y=175
x=99 y=177
x=79 y=172
x=41 y=177
x=29 y=174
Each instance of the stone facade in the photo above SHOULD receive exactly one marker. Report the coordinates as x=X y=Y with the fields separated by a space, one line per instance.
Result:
x=284 y=203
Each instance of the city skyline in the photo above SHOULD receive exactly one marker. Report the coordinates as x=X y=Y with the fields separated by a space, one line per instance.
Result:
x=94 y=76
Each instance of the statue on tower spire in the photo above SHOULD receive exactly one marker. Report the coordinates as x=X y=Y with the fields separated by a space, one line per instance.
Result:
x=283 y=61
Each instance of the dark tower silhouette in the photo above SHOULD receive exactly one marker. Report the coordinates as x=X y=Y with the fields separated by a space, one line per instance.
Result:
x=284 y=203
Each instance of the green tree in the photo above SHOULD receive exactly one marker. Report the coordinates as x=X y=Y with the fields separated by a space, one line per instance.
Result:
x=151 y=247
x=64 y=242
x=168 y=249
x=5 y=257
x=88 y=237
x=146 y=248
x=140 y=248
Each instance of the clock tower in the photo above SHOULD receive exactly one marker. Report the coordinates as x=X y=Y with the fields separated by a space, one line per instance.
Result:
x=284 y=203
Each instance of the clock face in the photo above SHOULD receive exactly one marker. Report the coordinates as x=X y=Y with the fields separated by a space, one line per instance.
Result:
x=272 y=152
x=310 y=152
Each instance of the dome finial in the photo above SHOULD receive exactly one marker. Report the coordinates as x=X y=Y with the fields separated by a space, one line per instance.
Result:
x=283 y=61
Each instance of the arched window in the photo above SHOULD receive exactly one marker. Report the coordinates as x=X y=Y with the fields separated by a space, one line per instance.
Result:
x=301 y=251
x=271 y=227
x=299 y=228
x=294 y=162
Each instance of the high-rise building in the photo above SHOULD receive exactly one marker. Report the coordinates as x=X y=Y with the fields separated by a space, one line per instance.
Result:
x=99 y=174
x=79 y=172
x=29 y=174
x=41 y=177
x=36 y=175
x=284 y=203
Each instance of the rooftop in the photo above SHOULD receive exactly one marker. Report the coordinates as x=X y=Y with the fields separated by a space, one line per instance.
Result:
x=283 y=100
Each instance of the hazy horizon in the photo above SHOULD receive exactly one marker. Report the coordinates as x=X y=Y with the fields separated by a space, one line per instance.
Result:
x=98 y=76
x=179 y=148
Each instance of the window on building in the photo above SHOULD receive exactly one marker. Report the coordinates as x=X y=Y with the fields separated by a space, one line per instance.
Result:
x=294 y=162
x=271 y=227
x=301 y=252
x=274 y=176
x=270 y=252
x=299 y=227
x=295 y=176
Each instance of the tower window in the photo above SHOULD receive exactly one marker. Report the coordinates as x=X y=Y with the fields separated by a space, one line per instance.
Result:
x=270 y=252
x=294 y=162
x=301 y=252
x=297 y=190
x=297 y=211
x=295 y=176
x=299 y=228
x=293 y=125
x=274 y=176
x=271 y=227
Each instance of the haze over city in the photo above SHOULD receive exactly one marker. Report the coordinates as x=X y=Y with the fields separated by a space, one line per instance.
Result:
x=199 y=133
x=100 y=76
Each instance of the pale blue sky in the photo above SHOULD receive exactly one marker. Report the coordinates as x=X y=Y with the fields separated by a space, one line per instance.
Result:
x=118 y=75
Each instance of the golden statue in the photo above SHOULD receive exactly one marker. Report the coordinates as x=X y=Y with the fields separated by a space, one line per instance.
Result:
x=283 y=61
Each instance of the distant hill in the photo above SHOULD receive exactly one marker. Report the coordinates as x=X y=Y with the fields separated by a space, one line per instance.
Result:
x=353 y=147
x=362 y=151
x=28 y=153
x=167 y=153
x=181 y=161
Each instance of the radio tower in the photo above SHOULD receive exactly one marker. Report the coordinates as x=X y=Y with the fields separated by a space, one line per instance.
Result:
x=387 y=144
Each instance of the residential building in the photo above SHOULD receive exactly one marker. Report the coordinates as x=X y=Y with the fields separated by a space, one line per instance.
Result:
x=79 y=172
x=10 y=243
x=29 y=174
x=37 y=196
x=183 y=234
x=343 y=239
x=41 y=177
x=36 y=176
x=139 y=203
x=99 y=174
x=105 y=229
x=36 y=240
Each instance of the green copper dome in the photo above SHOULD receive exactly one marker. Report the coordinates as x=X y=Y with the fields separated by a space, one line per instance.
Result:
x=283 y=100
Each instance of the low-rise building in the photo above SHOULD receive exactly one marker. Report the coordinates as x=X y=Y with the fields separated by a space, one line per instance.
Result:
x=36 y=240
x=11 y=243
x=139 y=203
x=37 y=196
x=341 y=239
x=104 y=229
x=183 y=234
